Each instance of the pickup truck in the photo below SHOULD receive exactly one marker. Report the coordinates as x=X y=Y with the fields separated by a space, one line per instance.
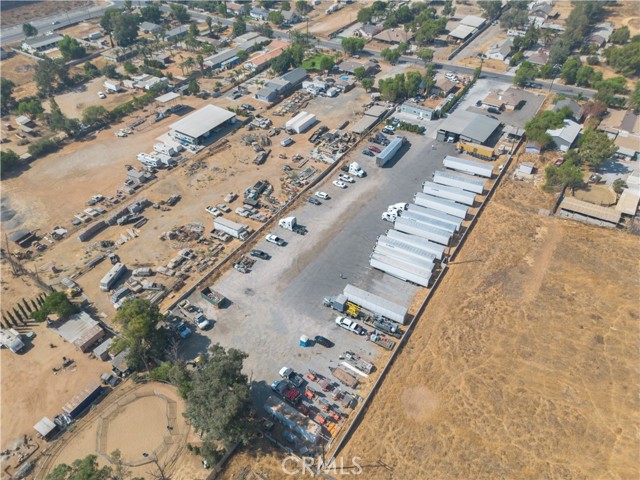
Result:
x=350 y=325
x=286 y=391
x=295 y=378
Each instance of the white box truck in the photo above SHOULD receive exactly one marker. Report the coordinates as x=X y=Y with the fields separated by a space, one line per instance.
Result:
x=436 y=215
x=410 y=249
x=403 y=256
x=429 y=221
x=400 y=270
x=112 y=86
x=236 y=230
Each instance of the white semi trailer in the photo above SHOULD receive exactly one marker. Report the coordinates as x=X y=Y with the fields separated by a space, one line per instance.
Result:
x=436 y=215
x=429 y=221
x=449 y=193
x=406 y=247
x=450 y=179
x=403 y=256
x=446 y=206
x=422 y=230
x=420 y=242
x=468 y=166
x=390 y=267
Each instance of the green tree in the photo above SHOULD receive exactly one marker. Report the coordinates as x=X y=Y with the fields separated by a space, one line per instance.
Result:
x=58 y=303
x=209 y=22
x=81 y=469
x=365 y=15
x=6 y=93
x=29 y=30
x=634 y=99
x=566 y=175
x=620 y=35
x=179 y=13
x=360 y=73
x=352 y=45
x=95 y=115
x=514 y=18
x=239 y=27
x=326 y=62
x=367 y=84
x=71 y=48
x=130 y=68
x=108 y=22
x=302 y=7
x=570 y=70
x=425 y=54
x=536 y=128
x=91 y=71
x=391 y=55
x=285 y=6
x=412 y=83
x=59 y=122
x=491 y=8
x=276 y=17
x=625 y=59
x=219 y=402
x=9 y=160
x=193 y=30
x=526 y=73
x=587 y=76
x=194 y=88
x=126 y=29
x=49 y=75
x=139 y=320
x=43 y=147
x=619 y=185
x=608 y=91
x=595 y=148
x=151 y=13
x=31 y=108
x=448 y=9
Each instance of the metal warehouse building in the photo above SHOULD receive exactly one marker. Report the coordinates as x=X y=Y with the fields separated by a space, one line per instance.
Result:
x=195 y=128
x=468 y=127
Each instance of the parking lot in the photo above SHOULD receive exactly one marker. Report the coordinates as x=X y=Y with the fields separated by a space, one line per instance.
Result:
x=281 y=299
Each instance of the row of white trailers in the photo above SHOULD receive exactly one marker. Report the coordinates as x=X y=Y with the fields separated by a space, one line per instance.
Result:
x=424 y=230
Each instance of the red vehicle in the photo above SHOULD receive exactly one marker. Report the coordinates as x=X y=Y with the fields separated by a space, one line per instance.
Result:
x=374 y=149
x=558 y=162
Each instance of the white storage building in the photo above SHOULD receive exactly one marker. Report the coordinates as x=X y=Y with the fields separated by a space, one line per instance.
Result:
x=301 y=122
x=196 y=127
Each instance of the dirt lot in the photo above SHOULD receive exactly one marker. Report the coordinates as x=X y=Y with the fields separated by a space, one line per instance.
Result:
x=35 y=10
x=135 y=419
x=523 y=364
x=75 y=101
x=322 y=24
x=18 y=69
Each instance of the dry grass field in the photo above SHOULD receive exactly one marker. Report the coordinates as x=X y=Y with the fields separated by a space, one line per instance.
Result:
x=18 y=12
x=524 y=364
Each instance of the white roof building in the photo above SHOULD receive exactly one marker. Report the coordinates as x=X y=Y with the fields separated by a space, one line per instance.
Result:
x=195 y=127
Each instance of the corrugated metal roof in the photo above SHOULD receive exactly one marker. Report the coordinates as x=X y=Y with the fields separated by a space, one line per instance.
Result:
x=480 y=128
x=628 y=203
x=398 y=311
x=473 y=21
x=202 y=121
x=462 y=31
x=364 y=124
x=45 y=426
x=80 y=397
x=574 y=205
x=76 y=327
x=220 y=57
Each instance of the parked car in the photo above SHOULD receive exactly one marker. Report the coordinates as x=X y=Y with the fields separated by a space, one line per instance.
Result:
x=389 y=130
x=346 y=178
x=236 y=95
x=494 y=110
x=294 y=378
x=558 y=162
x=102 y=95
x=314 y=201
x=339 y=184
x=275 y=239
x=325 y=342
x=368 y=153
x=201 y=321
x=246 y=106
x=322 y=195
x=260 y=254
x=345 y=168
x=374 y=149
x=350 y=325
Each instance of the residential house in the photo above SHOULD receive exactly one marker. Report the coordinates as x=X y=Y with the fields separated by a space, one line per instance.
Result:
x=148 y=27
x=509 y=99
x=118 y=55
x=350 y=66
x=394 y=35
x=366 y=30
x=41 y=43
x=600 y=34
x=539 y=57
x=418 y=110
x=282 y=85
x=258 y=13
x=577 y=112
x=176 y=33
x=565 y=137
x=620 y=121
x=215 y=61
x=262 y=60
x=628 y=146
x=291 y=17
x=538 y=14
x=235 y=8
x=444 y=87
x=501 y=51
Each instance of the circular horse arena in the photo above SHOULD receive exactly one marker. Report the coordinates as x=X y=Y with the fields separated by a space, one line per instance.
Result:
x=144 y=422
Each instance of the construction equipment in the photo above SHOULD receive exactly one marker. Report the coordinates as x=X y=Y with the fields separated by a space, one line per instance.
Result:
x=377 y=338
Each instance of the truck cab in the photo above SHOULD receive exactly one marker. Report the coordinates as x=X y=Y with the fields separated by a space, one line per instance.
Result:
x=356 y=170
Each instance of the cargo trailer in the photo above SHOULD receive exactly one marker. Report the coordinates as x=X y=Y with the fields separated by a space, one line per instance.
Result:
x=403 y=256
x=301 y=122
x=236 y=230
x=420 y=242
x=446 y=206
x=406 y=247
x=465 y=182
x=468 y=166
x=403 y=265
x=429 y=221
x=112 y=277
x=422 y=230
x=436 y=215
x=376 y=304
x=449 y=193
x=399 y=273
x=80 y=402
x=389 y=151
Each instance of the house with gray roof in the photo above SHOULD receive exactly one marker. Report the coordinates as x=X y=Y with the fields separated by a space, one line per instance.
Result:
x=566 y=136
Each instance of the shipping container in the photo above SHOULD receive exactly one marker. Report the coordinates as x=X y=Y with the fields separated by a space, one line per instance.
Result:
x=92 y=230
x=301 y=122
x=82 y=400
x=422 y=230
x=436 y=215
x=447 y=206
x=423 y=243
x=393 y=270
x=234 y=229
x=468 y=166
x=376 y=304
x=449 y=193
x=389 y=151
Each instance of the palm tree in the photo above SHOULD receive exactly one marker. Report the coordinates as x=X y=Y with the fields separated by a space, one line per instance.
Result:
x=200 y=61
x=209 y=21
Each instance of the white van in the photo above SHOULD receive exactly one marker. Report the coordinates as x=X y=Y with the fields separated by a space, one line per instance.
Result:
x=286 y=142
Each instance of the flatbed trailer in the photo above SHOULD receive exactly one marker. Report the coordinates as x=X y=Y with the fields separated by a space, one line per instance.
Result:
x=345 y=378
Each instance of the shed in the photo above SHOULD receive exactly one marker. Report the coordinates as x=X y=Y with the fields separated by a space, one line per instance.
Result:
x=579 y=210
x=462 y=32
x=81 y=330
x=628 y=202
x=533 y=147
x=196 y=127
x=363 y=125
x=24 y=120
x=376 y=111
x=119 y=364
x=46 y=428
x=102 y=350
x=527 y=168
